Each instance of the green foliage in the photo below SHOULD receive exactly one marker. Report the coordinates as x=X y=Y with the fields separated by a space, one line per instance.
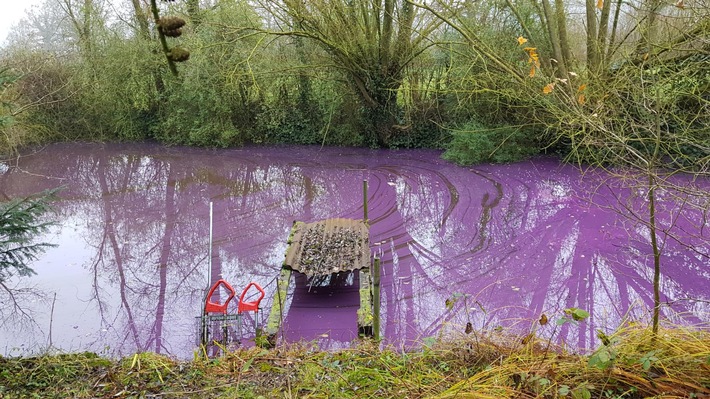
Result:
x=602 y=358
x=46 y=82
x=119 y=104
x=25 y=87
x=44 y=374
x=422 y=132
x=451 y=301
x=295 y=115
x=648 y=359
x=216 y=99
x=6 y=79
x=573 y=315
x=20 y=224
x=6 y=117
x=475 y=144
x=582 y=391
x=73 y=102
x=370 y=48
x=355 y=84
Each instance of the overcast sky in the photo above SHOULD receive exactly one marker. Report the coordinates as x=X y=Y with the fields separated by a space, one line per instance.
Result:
x=11 y=11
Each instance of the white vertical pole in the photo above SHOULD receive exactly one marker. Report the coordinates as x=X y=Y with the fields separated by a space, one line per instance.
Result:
x=209 y=256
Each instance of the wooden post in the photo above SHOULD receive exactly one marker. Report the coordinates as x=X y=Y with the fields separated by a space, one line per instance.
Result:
x=276 y=316
x=376 y=299
x=364 y=314
x=364 y=201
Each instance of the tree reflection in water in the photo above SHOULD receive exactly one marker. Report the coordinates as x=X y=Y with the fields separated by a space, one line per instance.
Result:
x=515 y=241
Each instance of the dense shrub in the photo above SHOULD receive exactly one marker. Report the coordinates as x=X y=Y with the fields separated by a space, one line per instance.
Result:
x=474 y=144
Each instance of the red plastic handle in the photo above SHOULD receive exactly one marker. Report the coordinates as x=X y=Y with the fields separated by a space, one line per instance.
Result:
x=251 y=306
x=215 y=307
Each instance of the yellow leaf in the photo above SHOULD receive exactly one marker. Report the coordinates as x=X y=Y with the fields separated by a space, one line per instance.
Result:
x=533 y=58
x=581 y=99
x=548 y=88
x=582 y=87
x=522 y=40
x=600 y=4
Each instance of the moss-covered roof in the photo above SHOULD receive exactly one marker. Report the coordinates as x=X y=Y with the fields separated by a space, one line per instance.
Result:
x=330 y=246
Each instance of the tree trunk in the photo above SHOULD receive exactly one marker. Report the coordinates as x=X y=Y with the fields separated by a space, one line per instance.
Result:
x=304 y=81
x=142 y=19
x=545 y=61
x=592 y=33
x=602 y=34
x=382 y=119
x=561 y=19
x=81 y=22
x=193 y=10
x=648 y=28
x=612 y=38
x=88 y=14
x=553 y=32
x=656 y=252
x=386 y=38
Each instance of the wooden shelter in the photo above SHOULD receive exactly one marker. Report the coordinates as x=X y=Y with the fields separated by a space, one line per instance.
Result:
x=320 y=250
x=327 y=247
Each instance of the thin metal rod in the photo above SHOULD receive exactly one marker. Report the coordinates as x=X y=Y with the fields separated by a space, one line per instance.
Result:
x=209 y=256
x=204 y=328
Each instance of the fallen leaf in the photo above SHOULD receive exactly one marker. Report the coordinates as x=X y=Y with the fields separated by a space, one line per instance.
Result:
x=581 y=99
x=548 y=88
x=603 y=337
x=527 y=338
x=582 y=87
x=600 y=4
x=543 y=319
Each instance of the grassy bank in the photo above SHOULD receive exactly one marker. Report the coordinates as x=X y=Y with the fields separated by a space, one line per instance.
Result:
x=631 y=365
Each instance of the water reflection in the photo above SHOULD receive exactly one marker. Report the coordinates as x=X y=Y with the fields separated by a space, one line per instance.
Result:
x=514 y=241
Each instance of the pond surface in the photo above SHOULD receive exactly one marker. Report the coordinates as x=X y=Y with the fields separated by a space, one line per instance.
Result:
x=511 y=242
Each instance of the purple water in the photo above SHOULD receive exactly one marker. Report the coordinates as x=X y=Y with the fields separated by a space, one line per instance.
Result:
x=510 y=242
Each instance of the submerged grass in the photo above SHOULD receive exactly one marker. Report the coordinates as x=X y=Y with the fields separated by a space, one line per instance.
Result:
x=632 y=364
